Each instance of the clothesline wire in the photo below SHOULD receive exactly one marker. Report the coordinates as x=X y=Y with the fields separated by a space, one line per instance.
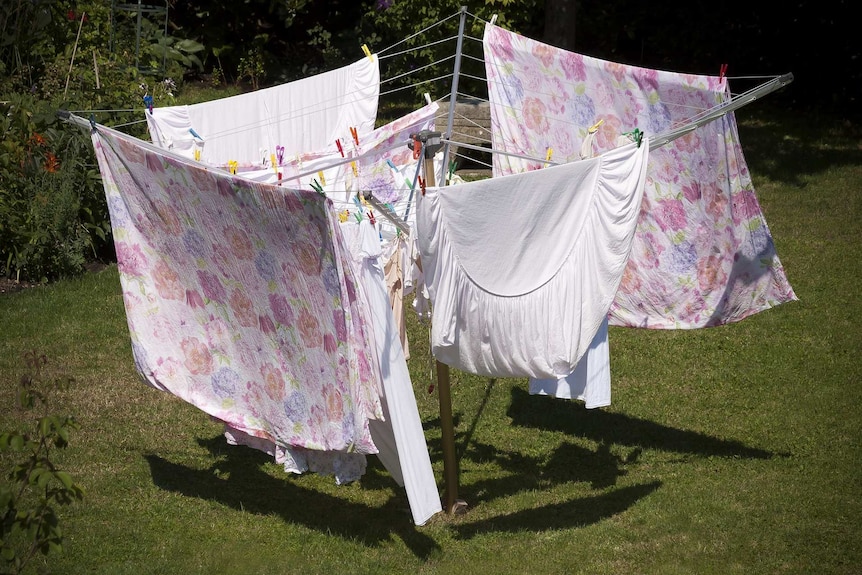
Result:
x=425 y=67
x=428 y=45
x=419 y=33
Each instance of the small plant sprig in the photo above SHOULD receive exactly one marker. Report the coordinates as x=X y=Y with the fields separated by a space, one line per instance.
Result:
x=32 y=490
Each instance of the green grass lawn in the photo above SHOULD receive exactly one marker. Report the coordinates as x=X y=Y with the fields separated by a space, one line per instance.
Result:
x=726 y=450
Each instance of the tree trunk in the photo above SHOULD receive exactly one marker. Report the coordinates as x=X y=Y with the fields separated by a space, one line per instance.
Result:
x=560 y=23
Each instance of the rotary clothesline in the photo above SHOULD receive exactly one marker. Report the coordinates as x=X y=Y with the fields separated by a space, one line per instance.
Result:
x=446 y=138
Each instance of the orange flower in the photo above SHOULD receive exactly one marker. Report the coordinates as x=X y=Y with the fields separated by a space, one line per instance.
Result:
x=52 y=164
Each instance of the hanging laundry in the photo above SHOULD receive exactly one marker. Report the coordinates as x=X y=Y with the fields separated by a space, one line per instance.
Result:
x=307 y=114
x=702 y=254
x=400 y=439
x=522 y=269
x=241 y=300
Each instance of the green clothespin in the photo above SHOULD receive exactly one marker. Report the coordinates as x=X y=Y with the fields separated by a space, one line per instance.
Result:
x=315 y=185
x=636 y=135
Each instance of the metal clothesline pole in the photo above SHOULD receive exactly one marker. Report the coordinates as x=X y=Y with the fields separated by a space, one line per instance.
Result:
x=457 y=71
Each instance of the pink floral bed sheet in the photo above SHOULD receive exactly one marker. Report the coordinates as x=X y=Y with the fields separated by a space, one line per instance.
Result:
x=703 y=254
x=240 y=299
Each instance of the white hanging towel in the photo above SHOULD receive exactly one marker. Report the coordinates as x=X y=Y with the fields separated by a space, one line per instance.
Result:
x=307 y=114
x=522 y=269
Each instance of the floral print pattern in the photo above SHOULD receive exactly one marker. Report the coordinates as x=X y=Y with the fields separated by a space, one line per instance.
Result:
x=702 y=253
x=239 y=298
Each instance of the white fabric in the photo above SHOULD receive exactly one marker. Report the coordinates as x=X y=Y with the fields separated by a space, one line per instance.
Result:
x=591 y=380
x=522 y=269
x=307 y=114
x=400 y=439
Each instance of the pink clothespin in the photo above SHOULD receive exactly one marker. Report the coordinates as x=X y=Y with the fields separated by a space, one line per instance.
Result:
x=722 y=72
x=340 y=149
x=279 y=151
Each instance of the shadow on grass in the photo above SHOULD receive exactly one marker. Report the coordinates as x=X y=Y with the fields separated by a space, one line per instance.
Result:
x=237 y=479
x=616 y=428
x=571 y=514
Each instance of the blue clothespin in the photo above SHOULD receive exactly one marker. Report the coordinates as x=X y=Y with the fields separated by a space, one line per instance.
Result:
x=191 y=130
x=148 y=102
x=93 y=122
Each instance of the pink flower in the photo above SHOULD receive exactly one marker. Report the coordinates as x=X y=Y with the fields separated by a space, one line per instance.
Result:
x=670 y=214
x=211 y=286
x=573 y=67
x=131 y=259
x=273 y=382
x=281 y=310
x=194 y=299
x=309 y=328
x=265 y=324
x=167 y=282
x=544 y=53
x=710 y=276
x=239 y=243
x=535 y=115
x=308 y=258
x=243 y=309
x=198 y=360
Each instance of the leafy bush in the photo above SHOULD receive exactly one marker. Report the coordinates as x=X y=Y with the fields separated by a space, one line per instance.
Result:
x=34 y=486
x=53 y=215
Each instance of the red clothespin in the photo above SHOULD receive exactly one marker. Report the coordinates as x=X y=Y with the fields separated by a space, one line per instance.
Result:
x=371 y=217
x=340 y=149
x=421 y=184
x=417 y=148
x=722 y=72
x=355 y=135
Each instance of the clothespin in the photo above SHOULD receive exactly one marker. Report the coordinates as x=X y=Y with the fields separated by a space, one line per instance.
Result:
x=452 y=166
x=367 y=52
x=279 y=151
x=272 y=161
x=93 y=122
x=371 y=218
x=427 y=98
x=636 y=135
x=722 y=72
x=148 y=102
x=417 y=148
x=343 y=215
x=340 y=149
x=355 y=169
x=315 y=185
x=550 y=154
x=355 y=135
x=197 y=154
x=421 y=184
x=193 y=133
x=595 y=127
x=232 y=165
x=322 y=179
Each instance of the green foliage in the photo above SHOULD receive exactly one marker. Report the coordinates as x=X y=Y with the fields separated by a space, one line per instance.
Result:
x=53 y=216
x=34 y=487
x=251 y=68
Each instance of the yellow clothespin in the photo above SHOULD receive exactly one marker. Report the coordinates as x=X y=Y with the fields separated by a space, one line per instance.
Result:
x=549 y=154
x=274 y=164
x=367 y=52
x=232 y=166
x=343 y=216
x=197 y=154
x=322 y=179
x=355 y=169
x=595 y=127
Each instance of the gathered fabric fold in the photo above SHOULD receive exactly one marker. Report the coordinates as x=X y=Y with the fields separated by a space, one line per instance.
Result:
x=522 y=269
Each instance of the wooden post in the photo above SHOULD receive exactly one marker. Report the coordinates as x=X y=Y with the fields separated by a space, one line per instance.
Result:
x=451 y=503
